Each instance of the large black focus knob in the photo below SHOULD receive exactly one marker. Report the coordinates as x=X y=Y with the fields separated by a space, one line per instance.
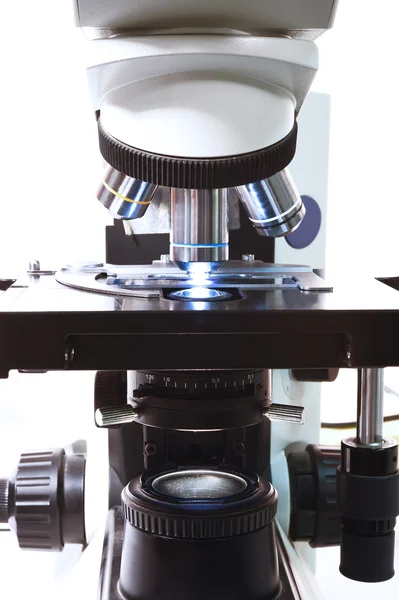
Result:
x=43 y=501
x=314 y=516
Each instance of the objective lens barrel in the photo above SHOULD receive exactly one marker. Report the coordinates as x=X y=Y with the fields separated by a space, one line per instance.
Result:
x=198 y=534
x=125 y=197
x=273 y=205
x=199 y=227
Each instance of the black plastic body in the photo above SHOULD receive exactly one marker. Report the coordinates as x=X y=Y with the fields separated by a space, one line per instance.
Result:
x=238 y=568
x=219 y=549
x=112 y=552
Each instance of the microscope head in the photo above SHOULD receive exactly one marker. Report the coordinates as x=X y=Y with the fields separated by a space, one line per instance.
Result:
x=203 y=111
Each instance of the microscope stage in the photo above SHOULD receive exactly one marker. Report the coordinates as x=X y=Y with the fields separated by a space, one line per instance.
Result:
x=266 y=323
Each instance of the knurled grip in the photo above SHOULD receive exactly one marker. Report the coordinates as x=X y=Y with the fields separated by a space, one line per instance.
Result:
x=367 y=498
x=43 y=501
x=198 y=173
x=4 y=490
x=36 y=508
x=163 y=519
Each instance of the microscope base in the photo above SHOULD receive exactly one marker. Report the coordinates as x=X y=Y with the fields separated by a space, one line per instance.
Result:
x=111 y=561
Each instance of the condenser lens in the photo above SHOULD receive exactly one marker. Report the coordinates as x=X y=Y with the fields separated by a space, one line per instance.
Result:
x=199 y=484
x=200 y=294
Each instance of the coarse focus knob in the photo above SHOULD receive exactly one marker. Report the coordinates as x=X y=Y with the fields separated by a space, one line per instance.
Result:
x=314 y=515
x=285 y=412
x=115 y=415
x=43 y=501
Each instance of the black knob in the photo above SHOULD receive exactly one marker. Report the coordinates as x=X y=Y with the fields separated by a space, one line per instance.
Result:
x=368 y=502
x=110 y=389
x=43 y=501
x=315 y=374
x=314 y=515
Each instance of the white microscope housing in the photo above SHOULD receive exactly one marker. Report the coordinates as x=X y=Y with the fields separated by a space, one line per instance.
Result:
x=202 y=98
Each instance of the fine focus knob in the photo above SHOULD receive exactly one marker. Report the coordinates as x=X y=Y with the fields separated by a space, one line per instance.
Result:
x=43 y=501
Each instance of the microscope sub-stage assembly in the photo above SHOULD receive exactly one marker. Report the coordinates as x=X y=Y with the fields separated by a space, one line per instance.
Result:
x=207 y=347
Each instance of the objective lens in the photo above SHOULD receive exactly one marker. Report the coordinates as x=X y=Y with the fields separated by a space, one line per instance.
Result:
x=201 y=484
x=200 y=294
x=199 y=228
x=273 y=205
x=125 y=197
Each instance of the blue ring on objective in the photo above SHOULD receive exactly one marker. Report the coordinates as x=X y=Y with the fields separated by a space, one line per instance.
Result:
x=199 y=245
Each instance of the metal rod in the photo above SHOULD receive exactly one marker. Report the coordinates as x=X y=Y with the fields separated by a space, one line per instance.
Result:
x=370 y=413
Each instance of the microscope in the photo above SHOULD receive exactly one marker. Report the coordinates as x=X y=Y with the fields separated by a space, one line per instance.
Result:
x=208 y=346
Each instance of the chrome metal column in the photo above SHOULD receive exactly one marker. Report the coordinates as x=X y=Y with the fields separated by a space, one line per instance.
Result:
x=273 y=205
x=199 y=228
x=370 y=400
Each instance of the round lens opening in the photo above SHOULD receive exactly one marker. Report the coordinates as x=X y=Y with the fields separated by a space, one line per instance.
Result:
x=200 y=294
x=199 y=484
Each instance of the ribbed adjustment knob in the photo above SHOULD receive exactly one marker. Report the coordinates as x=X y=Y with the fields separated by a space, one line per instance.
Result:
x=115 y=415
x=199 y=520
x=285 y=412
x=4 y=491
x=43 y=501
x=36 y=508
x=110 y=387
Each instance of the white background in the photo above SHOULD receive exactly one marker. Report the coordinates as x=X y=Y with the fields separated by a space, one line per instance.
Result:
x=50 y=167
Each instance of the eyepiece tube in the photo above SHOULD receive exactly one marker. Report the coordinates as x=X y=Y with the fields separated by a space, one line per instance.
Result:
x=199 y=233
x=125 y=197
x=273 y=205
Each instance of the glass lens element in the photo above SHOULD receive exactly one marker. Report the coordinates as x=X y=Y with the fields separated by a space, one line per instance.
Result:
x=200 y=294
x=199 y=484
